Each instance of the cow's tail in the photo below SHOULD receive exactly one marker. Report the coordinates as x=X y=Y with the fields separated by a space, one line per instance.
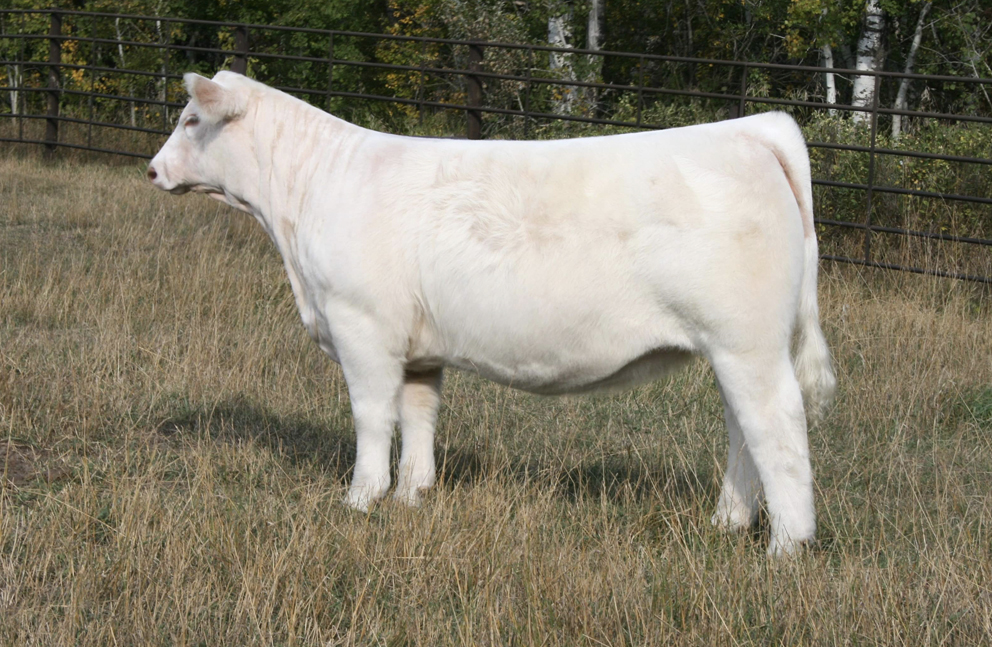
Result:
x=812 y=356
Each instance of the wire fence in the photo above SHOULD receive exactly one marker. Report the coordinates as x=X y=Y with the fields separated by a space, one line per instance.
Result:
x=919 y=202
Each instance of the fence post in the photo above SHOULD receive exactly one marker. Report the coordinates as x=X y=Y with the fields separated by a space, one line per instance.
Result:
x=20 y=95
x=330 y=71
x=420 y=84
x=54 y=60
x=89 y=97
x=871 y=168
x=167 y=40
x=240 y=62
x=474 y=87
x=640 y=88
x=740 y=110
x=527 y=115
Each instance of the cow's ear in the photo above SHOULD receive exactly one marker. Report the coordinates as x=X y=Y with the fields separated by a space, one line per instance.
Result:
x=216 y=102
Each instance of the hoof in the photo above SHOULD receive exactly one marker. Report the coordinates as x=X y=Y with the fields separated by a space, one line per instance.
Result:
x=781 y=549
x=411 y=497
x=361 y=499
x=737 y=518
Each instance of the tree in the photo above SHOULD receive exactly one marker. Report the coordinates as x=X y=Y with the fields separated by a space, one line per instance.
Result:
x=901 y=102
x=594 y=41
x=870 y=58
x=560 y=35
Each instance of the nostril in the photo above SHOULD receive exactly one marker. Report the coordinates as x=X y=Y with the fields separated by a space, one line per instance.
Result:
x=151 y=173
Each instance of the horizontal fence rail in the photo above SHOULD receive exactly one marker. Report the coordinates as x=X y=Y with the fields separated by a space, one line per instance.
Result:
x=116 y=79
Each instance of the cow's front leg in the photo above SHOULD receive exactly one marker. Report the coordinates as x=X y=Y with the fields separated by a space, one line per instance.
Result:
x=418 y=417
x=374 y=378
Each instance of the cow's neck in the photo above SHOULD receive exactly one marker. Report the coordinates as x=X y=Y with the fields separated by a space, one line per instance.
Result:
x=298 y=148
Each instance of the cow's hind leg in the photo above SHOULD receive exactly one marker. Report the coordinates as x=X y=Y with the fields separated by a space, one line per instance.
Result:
x=418 y=416
x=737 y=508
x=761 y=391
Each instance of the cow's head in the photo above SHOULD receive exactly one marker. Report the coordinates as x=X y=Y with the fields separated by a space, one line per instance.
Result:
x=211 y=143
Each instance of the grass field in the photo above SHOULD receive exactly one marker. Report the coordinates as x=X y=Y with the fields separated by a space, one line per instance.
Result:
x=174 y=450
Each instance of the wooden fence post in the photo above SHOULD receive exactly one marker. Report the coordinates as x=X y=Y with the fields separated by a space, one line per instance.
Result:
x=240 y=62
x=330 y=72
x=474 y=87
x=739 y=109
x=54 y=60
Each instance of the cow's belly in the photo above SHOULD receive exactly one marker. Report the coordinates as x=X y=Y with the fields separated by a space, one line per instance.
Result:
x=581 y=377
x=560 y=347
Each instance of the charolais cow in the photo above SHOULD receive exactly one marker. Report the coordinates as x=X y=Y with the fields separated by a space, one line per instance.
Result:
x=550 y=266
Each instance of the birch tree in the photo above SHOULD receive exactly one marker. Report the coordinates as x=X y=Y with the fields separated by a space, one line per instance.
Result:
x=827 y=56
x=829 y=78
x=594 y=41
x=560 y=35
x=870 y=58
x=901 y=102
x=15 y=78
x=120 y=53
x=15 y=73
x=595 y=24
x=163 y=67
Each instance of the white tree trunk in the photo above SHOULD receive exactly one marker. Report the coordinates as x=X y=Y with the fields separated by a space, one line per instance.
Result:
x=163 y=88
x=163 y=68
x=595 y=31
x=559 y=35
x=869 y=58
x=15 y=77
x=829 y=78
x=594 y=41
x=901 y=96
x=120 y=52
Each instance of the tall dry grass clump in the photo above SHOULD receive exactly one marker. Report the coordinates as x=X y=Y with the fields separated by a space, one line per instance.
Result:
x=174 y=452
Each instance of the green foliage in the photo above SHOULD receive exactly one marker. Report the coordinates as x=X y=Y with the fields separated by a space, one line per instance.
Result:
x=956 y=42
x=981 y=409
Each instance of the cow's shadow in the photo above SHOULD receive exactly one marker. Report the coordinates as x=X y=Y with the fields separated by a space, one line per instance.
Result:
x=309 y=445
x=301 y=442
x=615 y=479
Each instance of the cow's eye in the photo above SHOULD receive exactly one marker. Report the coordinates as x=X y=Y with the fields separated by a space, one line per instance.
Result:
x=192 y=120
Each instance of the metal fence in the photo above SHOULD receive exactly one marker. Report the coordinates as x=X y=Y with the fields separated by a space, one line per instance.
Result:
x=114 y=81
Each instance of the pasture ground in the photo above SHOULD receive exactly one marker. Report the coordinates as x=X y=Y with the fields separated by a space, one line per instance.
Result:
x=174 y=450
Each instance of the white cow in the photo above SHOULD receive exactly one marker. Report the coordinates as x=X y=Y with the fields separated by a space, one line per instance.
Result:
x=550 y=266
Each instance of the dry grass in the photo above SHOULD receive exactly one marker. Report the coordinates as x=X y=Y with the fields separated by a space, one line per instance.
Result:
x=176 y=449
